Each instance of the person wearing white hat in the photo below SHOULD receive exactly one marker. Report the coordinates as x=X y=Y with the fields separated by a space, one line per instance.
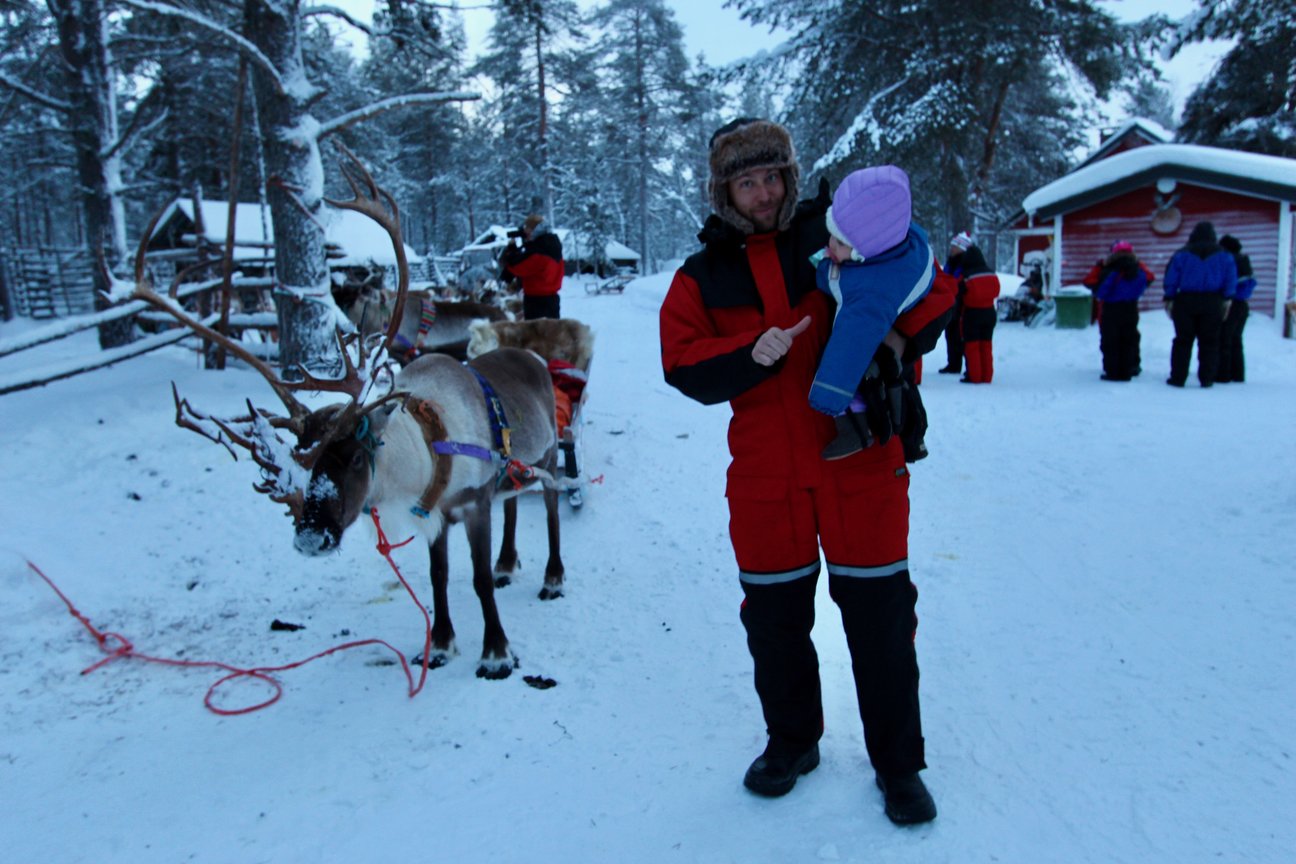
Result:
x=953 y=331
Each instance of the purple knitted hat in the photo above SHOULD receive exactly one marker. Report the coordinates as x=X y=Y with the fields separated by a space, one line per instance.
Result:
x=871 y=210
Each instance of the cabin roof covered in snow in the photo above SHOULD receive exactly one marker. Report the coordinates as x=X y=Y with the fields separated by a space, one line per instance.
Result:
x=574 y=244
x=1255 y=174
x=360 y=239
x=1149 y=130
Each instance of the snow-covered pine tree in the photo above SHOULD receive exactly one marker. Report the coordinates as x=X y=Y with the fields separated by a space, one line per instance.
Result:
x=190 y=94
x=644 y=83
x=272 y=41
x=295 y=186
x=1249 y=101
x=527 y=58
x=83 y=29
x=39 y=202
x=588 y=172
x=943 y=88
x=418 y=148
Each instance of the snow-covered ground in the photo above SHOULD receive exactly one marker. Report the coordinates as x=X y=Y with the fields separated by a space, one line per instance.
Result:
x=1106 y=638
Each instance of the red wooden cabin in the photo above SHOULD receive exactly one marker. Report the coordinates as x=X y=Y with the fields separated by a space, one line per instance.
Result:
x=1152 y=196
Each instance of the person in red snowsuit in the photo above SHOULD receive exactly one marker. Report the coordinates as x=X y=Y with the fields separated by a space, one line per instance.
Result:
x=744 y=323
x=979 y=289
x=538 y=263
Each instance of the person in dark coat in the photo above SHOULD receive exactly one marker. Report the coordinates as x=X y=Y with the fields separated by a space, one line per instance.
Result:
x=1232 y=362
x=1200 y=282
x=953 y=270
x=538 y=263
x=1120 y=285
x=743 y=322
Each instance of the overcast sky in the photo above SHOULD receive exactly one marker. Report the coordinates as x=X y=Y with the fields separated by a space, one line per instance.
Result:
x=708 y=28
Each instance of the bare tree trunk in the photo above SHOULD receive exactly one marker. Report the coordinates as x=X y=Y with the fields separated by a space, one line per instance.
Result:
x=83 y=42
x=641 y=104
x=546 y=167
x=989 y=146
x=295 y=189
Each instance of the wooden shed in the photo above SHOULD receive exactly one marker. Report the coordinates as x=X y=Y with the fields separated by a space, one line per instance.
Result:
x=1152 y=196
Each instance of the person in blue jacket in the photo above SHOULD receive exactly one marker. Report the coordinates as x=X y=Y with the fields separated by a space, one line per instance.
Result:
x=1121 y=283
x=877 y=265
x=1200 y=282
x=1232 y=363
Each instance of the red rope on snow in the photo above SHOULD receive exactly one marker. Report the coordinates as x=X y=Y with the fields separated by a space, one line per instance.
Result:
x=117 y=646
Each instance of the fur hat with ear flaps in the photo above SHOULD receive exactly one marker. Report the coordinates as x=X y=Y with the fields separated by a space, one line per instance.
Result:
x=741 y=146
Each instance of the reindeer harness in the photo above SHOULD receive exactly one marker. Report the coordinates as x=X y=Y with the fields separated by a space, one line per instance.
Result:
x=428 y=415
x=427 y=317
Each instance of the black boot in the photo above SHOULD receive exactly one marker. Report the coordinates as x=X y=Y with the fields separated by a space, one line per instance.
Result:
x=951 y=369
x=852 y=437
x=907 y=800
x=775 y=771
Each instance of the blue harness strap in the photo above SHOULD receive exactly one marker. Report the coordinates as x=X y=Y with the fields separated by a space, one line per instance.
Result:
x=433 y=428
x=498 y=420
x=458 y=448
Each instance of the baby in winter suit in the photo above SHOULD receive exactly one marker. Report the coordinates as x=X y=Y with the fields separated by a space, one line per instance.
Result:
x=877 y=265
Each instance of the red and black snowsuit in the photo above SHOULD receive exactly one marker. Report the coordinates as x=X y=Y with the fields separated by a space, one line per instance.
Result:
x=979 y=287
x=785 y=501
x=539 y=264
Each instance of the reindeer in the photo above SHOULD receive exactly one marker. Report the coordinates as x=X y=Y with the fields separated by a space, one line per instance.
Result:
x=427 y=323
x=442 y=441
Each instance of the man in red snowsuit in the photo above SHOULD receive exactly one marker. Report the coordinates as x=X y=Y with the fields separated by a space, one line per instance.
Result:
x=743 y=323
x=539 y=264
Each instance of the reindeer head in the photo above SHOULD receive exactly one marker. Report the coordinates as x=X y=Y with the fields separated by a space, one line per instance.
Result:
x=323 y=474
x=344 y=451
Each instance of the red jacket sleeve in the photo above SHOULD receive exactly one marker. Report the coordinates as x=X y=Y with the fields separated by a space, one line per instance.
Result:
x=923 y=324
x=699 y=361
x=1092 y=278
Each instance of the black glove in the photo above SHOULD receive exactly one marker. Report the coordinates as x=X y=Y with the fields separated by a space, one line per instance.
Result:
x=883 y=392
x=876 y=411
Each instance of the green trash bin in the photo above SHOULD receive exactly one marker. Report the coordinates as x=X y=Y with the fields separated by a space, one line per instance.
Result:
x=1074 y=308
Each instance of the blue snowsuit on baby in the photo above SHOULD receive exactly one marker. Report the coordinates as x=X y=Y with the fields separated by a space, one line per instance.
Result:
x=870 y=296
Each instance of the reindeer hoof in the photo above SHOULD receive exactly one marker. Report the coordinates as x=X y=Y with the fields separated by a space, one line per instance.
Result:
x=497 y=668
x=436 y=659
x=551 y=592
x=503 y=580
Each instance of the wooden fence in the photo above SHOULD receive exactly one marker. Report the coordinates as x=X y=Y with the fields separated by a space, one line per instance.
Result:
x=46 y=282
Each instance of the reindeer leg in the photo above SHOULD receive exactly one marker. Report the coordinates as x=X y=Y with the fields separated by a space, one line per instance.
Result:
x=507 y=562
x=553 y=579
x=443 y=637
x=497 y=661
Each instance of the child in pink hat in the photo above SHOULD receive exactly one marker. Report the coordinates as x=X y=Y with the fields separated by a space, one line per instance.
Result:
x=877 y=265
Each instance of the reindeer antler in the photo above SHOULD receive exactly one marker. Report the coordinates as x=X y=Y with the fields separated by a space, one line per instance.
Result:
x=254 y=432
x=248 y=432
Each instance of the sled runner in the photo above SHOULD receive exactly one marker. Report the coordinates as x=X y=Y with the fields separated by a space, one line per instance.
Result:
x=613 y=285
